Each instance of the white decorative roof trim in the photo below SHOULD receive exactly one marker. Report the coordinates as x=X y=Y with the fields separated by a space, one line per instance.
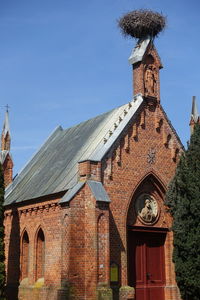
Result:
x=101 y=150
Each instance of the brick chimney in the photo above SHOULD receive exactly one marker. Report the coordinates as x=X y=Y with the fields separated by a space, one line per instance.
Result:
x=5 y=157
x=146 y=65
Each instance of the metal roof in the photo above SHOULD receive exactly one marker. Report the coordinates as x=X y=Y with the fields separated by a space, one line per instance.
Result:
x=139 y=50
x=98 y=191
x=96 y=187
x=72 y=192
x=54 y=167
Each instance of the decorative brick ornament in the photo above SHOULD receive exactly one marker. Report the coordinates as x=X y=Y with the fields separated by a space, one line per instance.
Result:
x=151 y=156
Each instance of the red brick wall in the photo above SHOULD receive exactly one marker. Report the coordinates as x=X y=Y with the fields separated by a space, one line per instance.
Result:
x=5 y=141
x=8 y=171
x=89 y=170
x=85 y=235
x=85 y=248
x=47 y=216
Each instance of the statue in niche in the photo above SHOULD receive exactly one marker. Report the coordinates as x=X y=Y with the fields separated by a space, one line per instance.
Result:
x=150 y=81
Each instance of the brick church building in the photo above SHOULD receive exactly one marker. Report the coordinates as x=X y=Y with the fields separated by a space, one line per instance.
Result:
x=85 y=218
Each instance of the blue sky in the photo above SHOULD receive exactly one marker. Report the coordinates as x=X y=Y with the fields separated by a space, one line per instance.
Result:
x=65 y=61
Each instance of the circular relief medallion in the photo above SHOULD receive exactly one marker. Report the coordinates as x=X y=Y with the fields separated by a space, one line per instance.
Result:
x=146 y=208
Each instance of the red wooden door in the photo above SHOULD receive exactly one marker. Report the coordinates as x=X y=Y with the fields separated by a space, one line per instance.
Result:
x=146 y=264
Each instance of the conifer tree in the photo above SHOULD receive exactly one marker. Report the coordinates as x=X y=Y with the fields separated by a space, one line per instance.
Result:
x=183 y=200
x=2 y=255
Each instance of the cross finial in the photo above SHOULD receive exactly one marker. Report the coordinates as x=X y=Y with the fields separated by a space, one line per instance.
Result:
x=7 y=107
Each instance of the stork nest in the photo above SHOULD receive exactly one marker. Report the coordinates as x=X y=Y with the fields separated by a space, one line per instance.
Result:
x=141 y=23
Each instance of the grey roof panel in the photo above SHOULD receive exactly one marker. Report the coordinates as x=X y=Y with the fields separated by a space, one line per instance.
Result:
x=31 y=169
x=96 y=188
x=98 y=191
x=72 y=192
x=139 y=51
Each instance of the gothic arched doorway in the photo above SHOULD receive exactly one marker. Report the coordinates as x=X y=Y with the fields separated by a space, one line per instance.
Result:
x=147 y=230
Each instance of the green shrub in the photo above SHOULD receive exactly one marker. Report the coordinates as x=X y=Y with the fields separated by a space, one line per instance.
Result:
x=183 y=200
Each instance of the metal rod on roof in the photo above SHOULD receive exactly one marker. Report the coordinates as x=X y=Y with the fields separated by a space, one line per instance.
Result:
x=7 y=107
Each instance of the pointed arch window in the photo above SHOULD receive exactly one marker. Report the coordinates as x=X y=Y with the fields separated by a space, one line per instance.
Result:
x=40 y=254
x=25 y=256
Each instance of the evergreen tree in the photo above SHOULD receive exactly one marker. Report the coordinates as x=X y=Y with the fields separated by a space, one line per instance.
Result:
x=2 y=255
x=183 y=200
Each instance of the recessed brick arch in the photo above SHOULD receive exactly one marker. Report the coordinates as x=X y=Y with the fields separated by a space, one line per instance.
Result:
x=39 y=254
x=150 y=184
x=102 y=247
x=24 y=255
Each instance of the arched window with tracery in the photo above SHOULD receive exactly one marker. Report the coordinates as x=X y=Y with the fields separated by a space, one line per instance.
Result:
x=25 y=255
x=40 y=254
